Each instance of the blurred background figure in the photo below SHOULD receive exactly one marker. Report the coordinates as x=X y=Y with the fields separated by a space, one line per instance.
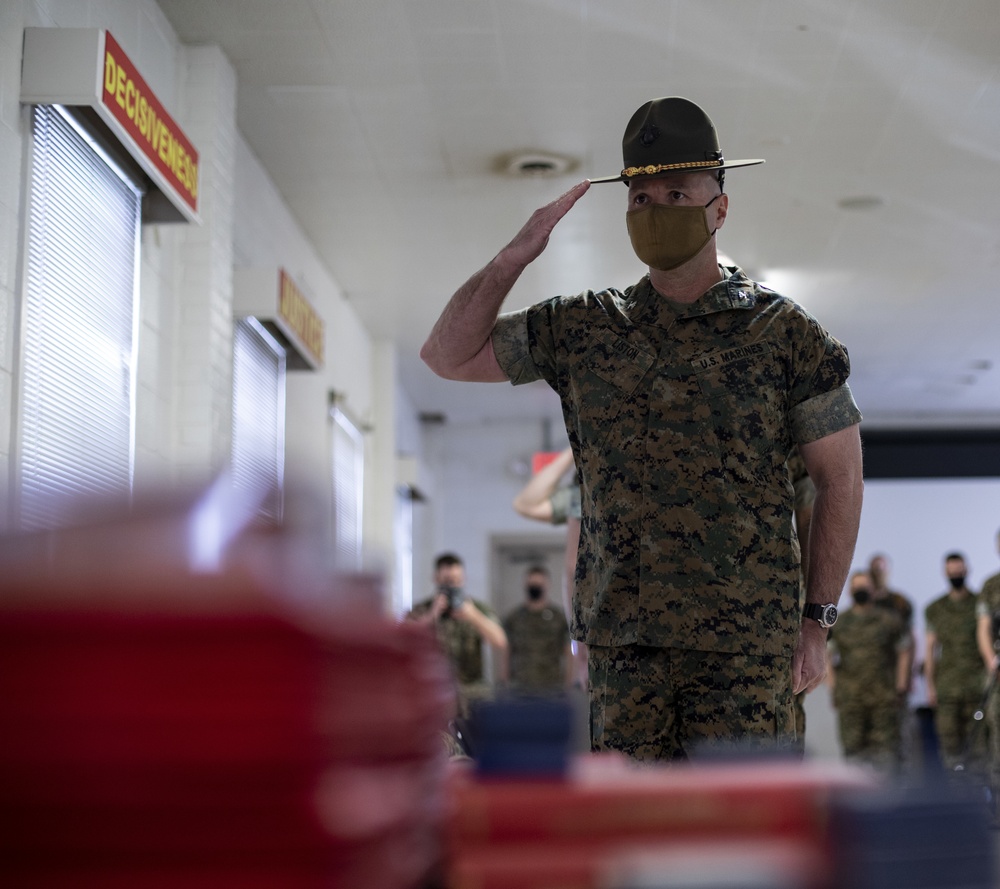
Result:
x=538 y=658
x=869 y=652
x=896 y=602
x=462 y=625
x=954 y=669
x=988 y=637
x=553 y=496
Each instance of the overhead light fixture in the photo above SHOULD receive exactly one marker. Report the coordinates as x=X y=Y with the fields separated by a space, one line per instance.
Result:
x=531 y=164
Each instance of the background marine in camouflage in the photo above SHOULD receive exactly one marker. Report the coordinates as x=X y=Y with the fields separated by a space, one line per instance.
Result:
x=538 y=655
x=869 y=652
x=955 y=675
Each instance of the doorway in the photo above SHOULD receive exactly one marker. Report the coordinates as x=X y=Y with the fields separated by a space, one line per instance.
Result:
x=510 y=558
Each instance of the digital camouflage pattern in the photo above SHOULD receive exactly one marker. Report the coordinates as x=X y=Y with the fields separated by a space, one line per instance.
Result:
x=958 y=666
x=537 y=642
x=665 y=704
x=464 y=648
x=988 y=605
x=959 y=676
x=802 y=486
x=565 y=504
x=804 y=494
x=681 y=418
x=896 y=603
x=865 y=644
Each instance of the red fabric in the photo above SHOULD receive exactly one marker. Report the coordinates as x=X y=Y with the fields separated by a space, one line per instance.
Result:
x=156 y=749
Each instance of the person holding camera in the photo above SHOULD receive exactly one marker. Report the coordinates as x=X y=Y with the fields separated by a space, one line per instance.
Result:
x=462 y=625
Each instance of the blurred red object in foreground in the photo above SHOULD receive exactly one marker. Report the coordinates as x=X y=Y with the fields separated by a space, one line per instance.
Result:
x=166 y=727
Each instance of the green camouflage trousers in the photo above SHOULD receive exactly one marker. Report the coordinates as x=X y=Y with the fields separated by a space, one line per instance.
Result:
x=960 y=740
x=869 y=726
x=666 y=703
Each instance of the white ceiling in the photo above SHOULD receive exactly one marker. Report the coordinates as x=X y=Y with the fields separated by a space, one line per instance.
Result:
x=385 y=123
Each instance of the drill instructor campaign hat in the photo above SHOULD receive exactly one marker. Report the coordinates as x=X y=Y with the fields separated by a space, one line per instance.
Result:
x=671 y=135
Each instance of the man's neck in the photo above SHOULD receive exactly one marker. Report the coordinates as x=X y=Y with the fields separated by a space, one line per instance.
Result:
x=690 y=281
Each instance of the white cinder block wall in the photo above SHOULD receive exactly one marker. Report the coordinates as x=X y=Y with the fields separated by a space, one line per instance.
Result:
x=184 y=372
x=204 y=295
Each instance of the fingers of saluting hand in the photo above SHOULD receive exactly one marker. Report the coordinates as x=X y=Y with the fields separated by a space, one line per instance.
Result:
x=558 y=208
x=534 y=236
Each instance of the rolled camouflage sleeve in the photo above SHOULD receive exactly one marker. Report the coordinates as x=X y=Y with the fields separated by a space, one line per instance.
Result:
x=824 y=414
x=822 y=402
x=512 y=349
x=560 y=503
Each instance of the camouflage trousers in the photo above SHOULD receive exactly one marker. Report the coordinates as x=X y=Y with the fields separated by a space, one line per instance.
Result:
x=992 y=729
x=960 y=741
x=799 y=709
x=869 y=726
x=667 y=703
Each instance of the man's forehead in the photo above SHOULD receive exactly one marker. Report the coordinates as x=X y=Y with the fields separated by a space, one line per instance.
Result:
x=671 y=180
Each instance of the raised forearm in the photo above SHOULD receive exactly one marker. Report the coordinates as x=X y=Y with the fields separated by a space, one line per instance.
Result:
x=459 y=346
x=487 y=628
x=532 y=500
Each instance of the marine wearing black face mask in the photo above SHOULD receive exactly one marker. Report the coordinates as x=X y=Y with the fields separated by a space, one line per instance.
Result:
x=861 y=596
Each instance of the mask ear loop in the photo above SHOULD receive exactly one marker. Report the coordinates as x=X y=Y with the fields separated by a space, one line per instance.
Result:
x=709 y=204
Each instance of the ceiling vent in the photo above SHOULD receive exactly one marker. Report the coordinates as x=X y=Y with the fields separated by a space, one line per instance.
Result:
x=536 y=164
x=861 y=202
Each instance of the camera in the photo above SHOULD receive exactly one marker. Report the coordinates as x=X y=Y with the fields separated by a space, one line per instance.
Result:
x=455 y=596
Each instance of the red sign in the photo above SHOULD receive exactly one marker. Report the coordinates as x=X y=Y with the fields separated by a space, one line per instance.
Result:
x=300 y=316
x=154 y=131
x=541 y=459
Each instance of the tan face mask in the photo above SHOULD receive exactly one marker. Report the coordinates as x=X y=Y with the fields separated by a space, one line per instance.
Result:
x=666 y=237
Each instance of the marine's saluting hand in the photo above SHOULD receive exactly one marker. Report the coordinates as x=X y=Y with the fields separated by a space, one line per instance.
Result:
x=533 y=237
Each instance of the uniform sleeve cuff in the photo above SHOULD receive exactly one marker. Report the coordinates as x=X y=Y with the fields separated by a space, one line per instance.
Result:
x=824 y=414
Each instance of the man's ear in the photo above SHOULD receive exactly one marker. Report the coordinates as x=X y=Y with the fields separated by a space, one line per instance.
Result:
x=721 y=207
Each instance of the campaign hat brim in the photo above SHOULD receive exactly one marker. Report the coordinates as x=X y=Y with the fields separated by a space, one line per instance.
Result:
x=668 y=169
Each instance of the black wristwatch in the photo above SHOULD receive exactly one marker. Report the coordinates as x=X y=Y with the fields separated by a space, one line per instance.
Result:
x=824 y=615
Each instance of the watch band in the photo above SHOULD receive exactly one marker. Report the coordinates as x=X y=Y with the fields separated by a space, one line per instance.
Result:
x=824 y=615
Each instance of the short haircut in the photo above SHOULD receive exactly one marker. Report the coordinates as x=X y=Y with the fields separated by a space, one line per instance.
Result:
x=446 y=560
x=954 y=556
x=537 y=569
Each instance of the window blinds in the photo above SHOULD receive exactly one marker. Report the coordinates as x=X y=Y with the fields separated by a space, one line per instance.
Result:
x=259 y=415
x=348 y=490
x=76 y=424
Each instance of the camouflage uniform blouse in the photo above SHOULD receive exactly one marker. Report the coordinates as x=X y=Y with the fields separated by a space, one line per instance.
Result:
x=460 y=641
x=867 y=643
x=959 y=667
x=537 y=641
x=681 y=418
x=988 y=604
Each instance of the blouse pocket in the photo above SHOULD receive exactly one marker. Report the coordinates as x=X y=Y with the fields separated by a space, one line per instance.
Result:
x=605 y=388
x=746 y=390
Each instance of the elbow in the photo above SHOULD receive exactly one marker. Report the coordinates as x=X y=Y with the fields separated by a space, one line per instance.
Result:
x=430 y=356
x=435 y=360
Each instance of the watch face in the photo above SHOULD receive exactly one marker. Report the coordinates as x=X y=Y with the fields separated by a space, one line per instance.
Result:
x=829 y=617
